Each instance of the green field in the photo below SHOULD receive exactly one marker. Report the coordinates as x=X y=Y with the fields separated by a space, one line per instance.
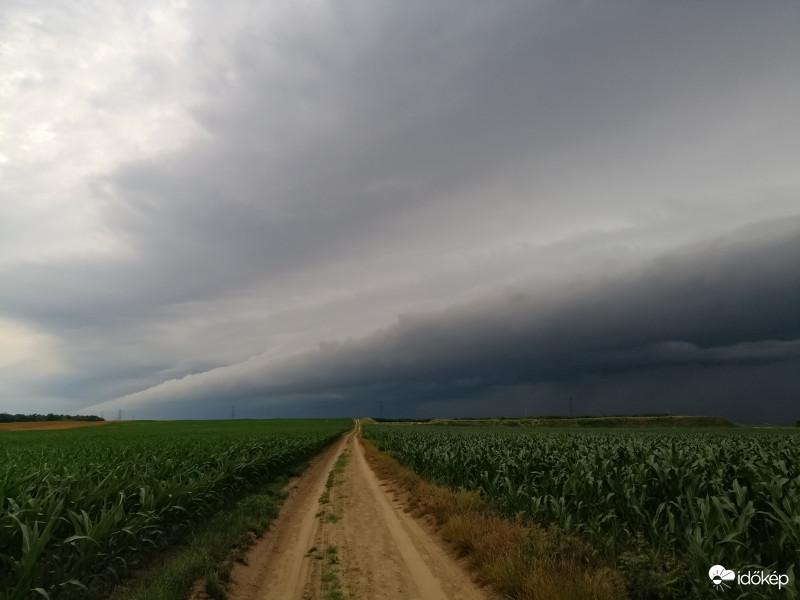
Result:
x=81 y=509
x=664 y=506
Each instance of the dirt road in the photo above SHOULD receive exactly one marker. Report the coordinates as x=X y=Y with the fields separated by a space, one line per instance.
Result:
x=341 y=534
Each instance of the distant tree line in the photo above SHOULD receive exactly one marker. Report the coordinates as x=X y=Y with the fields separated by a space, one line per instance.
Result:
x=8 y=418
x=403 y=420
x=557 y=417
x=415 y=420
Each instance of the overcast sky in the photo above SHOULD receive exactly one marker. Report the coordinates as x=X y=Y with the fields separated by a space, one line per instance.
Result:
x=452 y=207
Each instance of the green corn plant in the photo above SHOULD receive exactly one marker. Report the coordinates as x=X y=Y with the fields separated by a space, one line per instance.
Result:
x=80 y=509
x=718 y=498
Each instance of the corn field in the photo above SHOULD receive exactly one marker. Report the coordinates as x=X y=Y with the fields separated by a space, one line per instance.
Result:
x=716 y=498
x=81 y=508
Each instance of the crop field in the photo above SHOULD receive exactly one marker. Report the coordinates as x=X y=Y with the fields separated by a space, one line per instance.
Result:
x=695 y=499
x=81 y=508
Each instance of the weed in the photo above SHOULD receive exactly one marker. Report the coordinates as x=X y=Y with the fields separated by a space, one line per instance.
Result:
x=215 y=588
x=331 y=586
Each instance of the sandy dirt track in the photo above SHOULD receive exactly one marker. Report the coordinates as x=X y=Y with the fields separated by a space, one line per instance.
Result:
x=357 y=540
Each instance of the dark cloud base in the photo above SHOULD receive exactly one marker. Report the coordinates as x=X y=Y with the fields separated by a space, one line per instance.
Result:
x=713 y=328
x=747 y=395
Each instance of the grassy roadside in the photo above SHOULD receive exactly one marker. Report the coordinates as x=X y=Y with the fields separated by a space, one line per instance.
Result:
x=204 y=561
x=518 y=560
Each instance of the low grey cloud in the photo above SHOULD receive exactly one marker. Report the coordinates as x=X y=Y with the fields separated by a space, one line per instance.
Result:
x=728 y=303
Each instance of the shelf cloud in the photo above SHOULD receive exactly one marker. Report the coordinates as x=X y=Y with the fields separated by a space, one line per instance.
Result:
x=731 y=303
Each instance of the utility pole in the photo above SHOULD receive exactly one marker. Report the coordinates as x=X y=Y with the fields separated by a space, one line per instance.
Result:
x=233 y=412
x=119 y=415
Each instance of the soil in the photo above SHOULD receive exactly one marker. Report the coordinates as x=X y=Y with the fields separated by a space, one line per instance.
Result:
x=38 y=425
x=353 y=540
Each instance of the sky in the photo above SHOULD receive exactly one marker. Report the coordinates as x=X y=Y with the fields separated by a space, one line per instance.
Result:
x=431 y=209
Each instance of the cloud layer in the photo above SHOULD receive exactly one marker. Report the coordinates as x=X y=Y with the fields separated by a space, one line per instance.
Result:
x=202 y=205
x=729 y=304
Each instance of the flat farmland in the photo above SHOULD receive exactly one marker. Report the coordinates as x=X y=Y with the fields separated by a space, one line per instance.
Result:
x=82 y=508
x=647 y=512
x=663 y=506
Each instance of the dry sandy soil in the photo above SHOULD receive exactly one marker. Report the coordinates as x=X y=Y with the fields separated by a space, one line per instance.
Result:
x=37 y=425
x=381 y=551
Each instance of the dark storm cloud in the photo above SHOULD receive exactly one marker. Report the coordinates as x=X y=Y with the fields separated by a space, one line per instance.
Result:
x=730 y=303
